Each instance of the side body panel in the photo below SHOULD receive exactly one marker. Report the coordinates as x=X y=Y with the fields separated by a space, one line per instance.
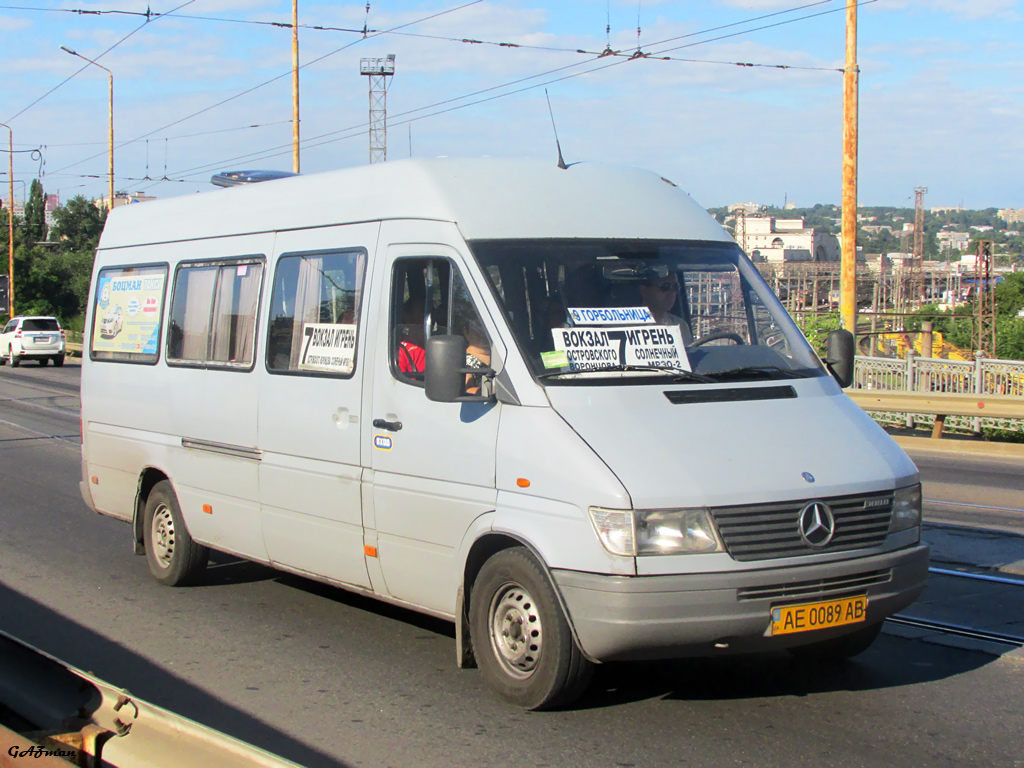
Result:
x=435 y=475
x=138 y=416
x=309 y=435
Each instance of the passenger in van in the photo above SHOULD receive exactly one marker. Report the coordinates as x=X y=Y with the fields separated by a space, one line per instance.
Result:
x=412 y=357
x=478 y=354
x=659 y=295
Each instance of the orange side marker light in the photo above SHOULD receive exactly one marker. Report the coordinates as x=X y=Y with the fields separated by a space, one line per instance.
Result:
x=522 y=482
x=370 y=551
x=207 y=509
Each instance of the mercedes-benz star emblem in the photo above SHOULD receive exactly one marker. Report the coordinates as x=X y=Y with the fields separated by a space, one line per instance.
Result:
x=816 y=524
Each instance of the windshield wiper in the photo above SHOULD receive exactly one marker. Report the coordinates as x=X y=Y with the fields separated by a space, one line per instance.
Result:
x=757 y=372
x=677 y=374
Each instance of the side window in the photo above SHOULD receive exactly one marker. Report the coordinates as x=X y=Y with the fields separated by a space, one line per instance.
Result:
x=716 y=302
x=429 y=298
x=127 y=315
x=213 y=313
x=314 y=313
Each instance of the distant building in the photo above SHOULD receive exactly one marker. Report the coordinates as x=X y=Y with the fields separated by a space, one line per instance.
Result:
x=954 y=241
x=1012 y=215
x=749 y=209
x=122 y=199
x=874 y=229
x=785 y=240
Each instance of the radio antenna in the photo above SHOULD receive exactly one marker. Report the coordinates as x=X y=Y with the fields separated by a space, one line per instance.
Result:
x=561 y=162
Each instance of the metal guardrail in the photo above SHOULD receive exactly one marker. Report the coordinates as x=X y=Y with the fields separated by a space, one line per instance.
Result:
x=940 y=405
x=934 y=377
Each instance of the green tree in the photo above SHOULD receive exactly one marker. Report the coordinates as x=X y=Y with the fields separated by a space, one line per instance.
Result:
x=33 y=223
x=78 y=224
x=53 y=278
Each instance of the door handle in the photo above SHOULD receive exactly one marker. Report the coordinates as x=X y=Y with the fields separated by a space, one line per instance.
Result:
x=391 y=426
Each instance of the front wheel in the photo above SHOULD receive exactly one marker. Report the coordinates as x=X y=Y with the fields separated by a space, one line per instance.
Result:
x=174 y=559
x=521 y=639
x=838 y=648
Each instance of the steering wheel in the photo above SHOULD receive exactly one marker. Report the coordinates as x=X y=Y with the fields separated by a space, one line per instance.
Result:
x=733 y=337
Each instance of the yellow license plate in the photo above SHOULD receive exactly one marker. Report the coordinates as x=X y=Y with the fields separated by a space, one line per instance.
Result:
x=810 y=616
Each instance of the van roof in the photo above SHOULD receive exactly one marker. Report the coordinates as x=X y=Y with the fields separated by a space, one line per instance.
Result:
x=486 y=198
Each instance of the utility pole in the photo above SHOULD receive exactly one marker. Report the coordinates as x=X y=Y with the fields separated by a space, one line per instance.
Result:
x=378 y=70
x=848 y=280
x=916 y=280
x=295 y=85
x=985 y=309
x=10 y=220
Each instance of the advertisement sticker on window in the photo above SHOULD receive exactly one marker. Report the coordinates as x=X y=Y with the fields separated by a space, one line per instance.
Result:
x=328 y=347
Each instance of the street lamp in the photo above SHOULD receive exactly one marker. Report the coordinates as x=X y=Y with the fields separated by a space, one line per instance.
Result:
x=111 y=133
x=10 y=220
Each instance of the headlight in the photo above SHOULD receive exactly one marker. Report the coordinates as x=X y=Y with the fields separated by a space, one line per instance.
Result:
x=906 y=509
x=656 y=531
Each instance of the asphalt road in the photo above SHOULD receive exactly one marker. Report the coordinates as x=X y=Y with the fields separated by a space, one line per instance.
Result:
x=326 y=678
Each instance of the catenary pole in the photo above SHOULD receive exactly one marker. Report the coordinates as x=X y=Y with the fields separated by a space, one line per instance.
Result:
x=848 y=281
x=10 y=219
x=295 y=85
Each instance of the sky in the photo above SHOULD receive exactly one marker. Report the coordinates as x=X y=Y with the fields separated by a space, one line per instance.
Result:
x=204 y=86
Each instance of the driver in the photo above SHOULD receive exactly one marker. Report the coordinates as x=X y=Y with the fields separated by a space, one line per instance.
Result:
x=659 y=295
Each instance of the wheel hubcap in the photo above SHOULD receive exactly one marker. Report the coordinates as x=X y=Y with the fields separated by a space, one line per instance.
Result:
x=162 y=535
x=515 y=630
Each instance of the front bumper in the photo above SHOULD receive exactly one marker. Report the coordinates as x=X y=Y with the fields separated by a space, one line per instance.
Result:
x=658 y=617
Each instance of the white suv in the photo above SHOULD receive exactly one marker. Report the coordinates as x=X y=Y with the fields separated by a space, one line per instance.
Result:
x=32 y=338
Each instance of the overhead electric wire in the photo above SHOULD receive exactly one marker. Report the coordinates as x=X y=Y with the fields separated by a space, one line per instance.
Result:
x=355 y=131
x=150 y=16
x=272 y=80
x=71 y=77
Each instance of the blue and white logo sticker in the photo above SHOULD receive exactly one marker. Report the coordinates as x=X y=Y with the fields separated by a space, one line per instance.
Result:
x=382 y=441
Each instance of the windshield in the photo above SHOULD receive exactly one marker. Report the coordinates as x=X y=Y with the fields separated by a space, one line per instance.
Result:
x=636 y=309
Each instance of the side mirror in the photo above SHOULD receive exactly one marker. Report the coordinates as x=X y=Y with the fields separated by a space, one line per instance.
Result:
x=839 y=356
x=446 y=357
x=445 y=371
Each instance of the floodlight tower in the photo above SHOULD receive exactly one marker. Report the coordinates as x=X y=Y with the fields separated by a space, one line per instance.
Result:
x=378 y=70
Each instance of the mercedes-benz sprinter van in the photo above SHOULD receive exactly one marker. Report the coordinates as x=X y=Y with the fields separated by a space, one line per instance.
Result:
x=558 y=407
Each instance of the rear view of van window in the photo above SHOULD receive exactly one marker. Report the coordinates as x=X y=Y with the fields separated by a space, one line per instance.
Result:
x=213 y=313
x=127 y=312
x=314 y=313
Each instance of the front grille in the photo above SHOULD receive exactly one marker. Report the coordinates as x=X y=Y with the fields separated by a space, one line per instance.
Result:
x=771 y=531
x=837 y=586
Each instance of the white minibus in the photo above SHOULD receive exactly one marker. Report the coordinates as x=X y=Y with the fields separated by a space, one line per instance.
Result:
x=556 y=406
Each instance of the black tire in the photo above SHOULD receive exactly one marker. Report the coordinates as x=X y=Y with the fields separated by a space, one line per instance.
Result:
x=838 y=649
x=14 y=360
x=43 y=361
x=58 y=361
x=536 y=668
x=174 y=559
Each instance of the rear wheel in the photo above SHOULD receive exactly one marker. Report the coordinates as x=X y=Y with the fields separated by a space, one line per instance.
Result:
x=521 y=639
x=58 y=361
x=14 y=360
x=838 y=648
x=174 y=559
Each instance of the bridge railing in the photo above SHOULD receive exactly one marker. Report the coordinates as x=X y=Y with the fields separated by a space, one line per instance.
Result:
x=981 y=380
